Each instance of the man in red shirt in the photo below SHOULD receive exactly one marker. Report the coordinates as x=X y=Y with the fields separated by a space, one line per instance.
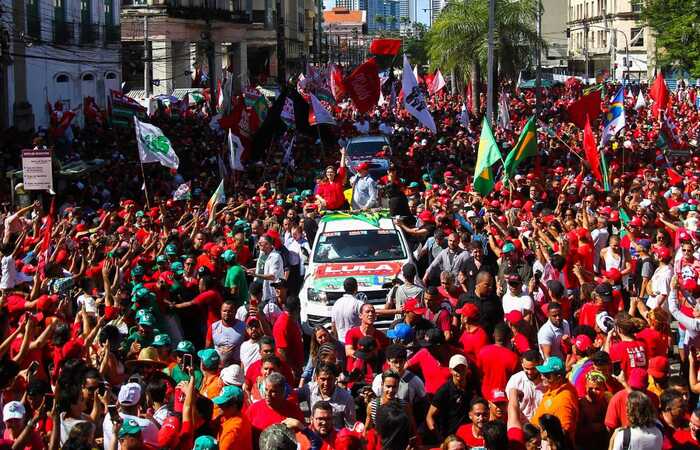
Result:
x=497 y=362
x=367 y=317
x=473 y=337
x=673 y=420
x=616 y=414
x=472 y=433
x=287 y=334
x=208 y=298
x=274 y=408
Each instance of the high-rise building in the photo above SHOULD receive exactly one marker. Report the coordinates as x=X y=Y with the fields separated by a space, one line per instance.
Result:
x=554 y=34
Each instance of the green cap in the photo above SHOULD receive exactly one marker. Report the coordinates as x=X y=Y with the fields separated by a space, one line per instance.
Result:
x=227 y=394
x=414 y=185
x=426 y=177
x=161 y=259
x=146 y=319
x=185 y=347
x=129 y=427
x=136 y=287
x=141 y=293
x=139 y=213
x=692 y=208
x=162 y=340
x=553 y=365
x=171 y=249
x=138 y=271
x=205 y=443
x=177 y=266
x=683 y=207
x=229 y=256
x=508 y=247
x=210 y=358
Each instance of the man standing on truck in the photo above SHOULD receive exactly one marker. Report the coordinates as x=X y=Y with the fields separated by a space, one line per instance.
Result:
x=364 y=189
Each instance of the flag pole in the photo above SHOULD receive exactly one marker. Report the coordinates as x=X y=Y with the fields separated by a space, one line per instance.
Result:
x=145 y=188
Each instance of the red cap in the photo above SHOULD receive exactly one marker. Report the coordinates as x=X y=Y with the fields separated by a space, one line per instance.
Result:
x=614 y=274
x=514 y=317
x=559 y=169
x=636 y=222
x=80 y=227
x=412 y=305
x=614 y=216
x=468 y=311
x=663 y=253
x=362 y=166
x=690 y=285
x=278 y=211
x=448 y=174
x=47 y=302
x=215 y=251
x=517 y=204
x=121 y=229
x=169 y=433
x=426 y=216
x=495 y=204
x=497 y=396
x=658 y=367
x=583 y=343
x=638 y=378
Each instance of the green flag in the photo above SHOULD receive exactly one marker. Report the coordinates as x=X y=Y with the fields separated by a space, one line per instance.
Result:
x=154 y=146
x=525 y=148
x=488 y=156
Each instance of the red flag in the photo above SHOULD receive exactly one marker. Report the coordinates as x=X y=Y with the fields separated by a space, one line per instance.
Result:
x=336 y=82
x=585 y=109
x=363 y=86
x=468 y=96
x=591 y=150
x=386 y=47
x=429 y=78
x=659 y=93
x=673 y=176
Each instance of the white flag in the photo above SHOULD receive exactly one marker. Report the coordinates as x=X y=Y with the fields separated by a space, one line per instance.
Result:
x=154 y=146
x=641 y=103
x=318 y=114
x=415 y=72
x=503 y=112
x=464 y=116
x=438 y=83
x=182 y=192
x=235 y=151
x=413 y=99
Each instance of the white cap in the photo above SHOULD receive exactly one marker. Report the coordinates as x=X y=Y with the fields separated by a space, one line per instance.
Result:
x=129 y=394
x=13 y=410
x=458 y=360
x=470 y=214
x=232 y=375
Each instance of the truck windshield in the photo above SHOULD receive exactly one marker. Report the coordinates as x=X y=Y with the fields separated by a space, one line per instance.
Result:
x=365 y=245
x=365 y=149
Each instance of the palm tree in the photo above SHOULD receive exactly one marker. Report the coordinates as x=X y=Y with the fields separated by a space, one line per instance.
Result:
x=458 y=39
x=379 y=19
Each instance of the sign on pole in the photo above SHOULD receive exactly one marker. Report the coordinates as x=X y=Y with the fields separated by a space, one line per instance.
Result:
x=36 y=169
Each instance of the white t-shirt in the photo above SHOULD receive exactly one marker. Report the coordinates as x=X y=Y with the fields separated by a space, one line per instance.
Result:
x=250 y=352
x=660 y=285
x=8 y=279
x=551 y=335
x=520 y=303
x=149 y=431
x=532 y=393
x=647 y=438
x=600 y=238
x=345 y=314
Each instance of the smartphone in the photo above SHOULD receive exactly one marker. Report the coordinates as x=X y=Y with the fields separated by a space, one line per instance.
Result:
x=48 y=402
x=113 y=413
x=103 y=387
x=187 y=361
x=33 y=367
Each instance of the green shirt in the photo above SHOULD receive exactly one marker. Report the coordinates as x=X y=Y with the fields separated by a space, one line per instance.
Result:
x=235 y=277
x=178 y=375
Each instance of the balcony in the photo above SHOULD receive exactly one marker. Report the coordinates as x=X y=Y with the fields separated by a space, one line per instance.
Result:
x=63 y=32
x=89 y=33
x=204 y=13
x=113 y=33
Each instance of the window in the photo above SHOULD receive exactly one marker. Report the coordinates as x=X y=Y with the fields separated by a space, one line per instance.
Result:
x=33 y=19
x=639 y=42
x=88 y=77
x=109 y=12
x=637 y=6
x=111 y=76
x=62 y=78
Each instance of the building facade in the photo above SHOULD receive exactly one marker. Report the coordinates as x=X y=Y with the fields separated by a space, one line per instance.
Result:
x=609 y=37
x=59 y=50
x=554 y=56
x=345 y=33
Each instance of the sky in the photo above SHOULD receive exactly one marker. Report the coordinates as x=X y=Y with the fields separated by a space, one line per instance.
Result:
x=423 y=16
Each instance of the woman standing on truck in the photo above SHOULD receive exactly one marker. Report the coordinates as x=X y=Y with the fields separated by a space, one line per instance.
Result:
x=329 y=192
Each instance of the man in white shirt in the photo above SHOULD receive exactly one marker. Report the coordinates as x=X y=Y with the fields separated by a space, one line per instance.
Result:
x=297 y=245
x=250 y=348
x=362 y=125
x=600 y=240
x=273 y=269
x=527 y=385
x=515 y=299
x=555 y=331
x=365 y=192
x=129 y=397
x=345 y=313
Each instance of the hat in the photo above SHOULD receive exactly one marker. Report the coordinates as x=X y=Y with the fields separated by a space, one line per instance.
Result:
x=161 y=340
x=604 y=322
x=365 y=346
x=401 y=331
x=458 y=360
x=690 y=285
x=362 y=166
x=129 y=394
x=138 y=271
x=635 y=222
x=148 y=356
x=468 y=311
x=658 y=366
x=251 y=319
x=605 y=291
x=583 y=343
x=161 y=259
x=644 y=243
x=277 y=436
x=146 y=319
x=232 y=375
x=129 y=428
x=496 y=396
x=432 y=336
x=229 y=256
x=448 y=174
x=514 y=317
x=185 y=347
x=426 y=216
x=471 y=214
x=414 y=185
x=13 y=410
x=638 y=378
x=663 y=253
x=210 y=358
x=412 y=305
x=171 y=250
x=281 y=283
x=47 y=302
x=205 y=442
x=169 y=433
x=508 y=247
x=614 y=274
x=227 y=394
x=552 y=365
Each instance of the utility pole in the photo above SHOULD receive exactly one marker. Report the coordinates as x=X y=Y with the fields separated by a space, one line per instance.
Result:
x=319 y=30
x=538 y=76
x=147 y=85
x=490 y=61
x=281 y=48
x=585 y=43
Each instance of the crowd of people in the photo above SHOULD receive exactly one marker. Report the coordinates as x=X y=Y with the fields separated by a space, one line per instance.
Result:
x=551 y=313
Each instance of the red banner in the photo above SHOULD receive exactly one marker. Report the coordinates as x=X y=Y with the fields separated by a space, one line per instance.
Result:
x=387 y=268
x=363 y=86
x=386 y=47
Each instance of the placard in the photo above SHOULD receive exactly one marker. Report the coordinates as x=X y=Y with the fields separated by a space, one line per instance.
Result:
x=36 y=169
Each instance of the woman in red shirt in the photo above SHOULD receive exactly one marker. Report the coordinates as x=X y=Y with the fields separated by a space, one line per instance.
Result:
x=329 y=192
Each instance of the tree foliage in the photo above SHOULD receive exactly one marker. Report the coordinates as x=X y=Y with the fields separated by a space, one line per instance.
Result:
x=676 y=24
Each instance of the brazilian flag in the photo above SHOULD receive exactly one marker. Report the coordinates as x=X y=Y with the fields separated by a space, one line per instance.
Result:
x=488 y=156
x=525 y=148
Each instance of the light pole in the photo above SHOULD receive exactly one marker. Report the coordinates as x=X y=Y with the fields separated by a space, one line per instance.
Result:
x=490 y=61
x=627 y=46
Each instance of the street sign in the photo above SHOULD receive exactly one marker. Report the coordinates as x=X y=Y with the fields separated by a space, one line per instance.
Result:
x=36 y=169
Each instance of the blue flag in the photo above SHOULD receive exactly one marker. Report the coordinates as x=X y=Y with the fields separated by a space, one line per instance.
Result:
x=615 y=119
